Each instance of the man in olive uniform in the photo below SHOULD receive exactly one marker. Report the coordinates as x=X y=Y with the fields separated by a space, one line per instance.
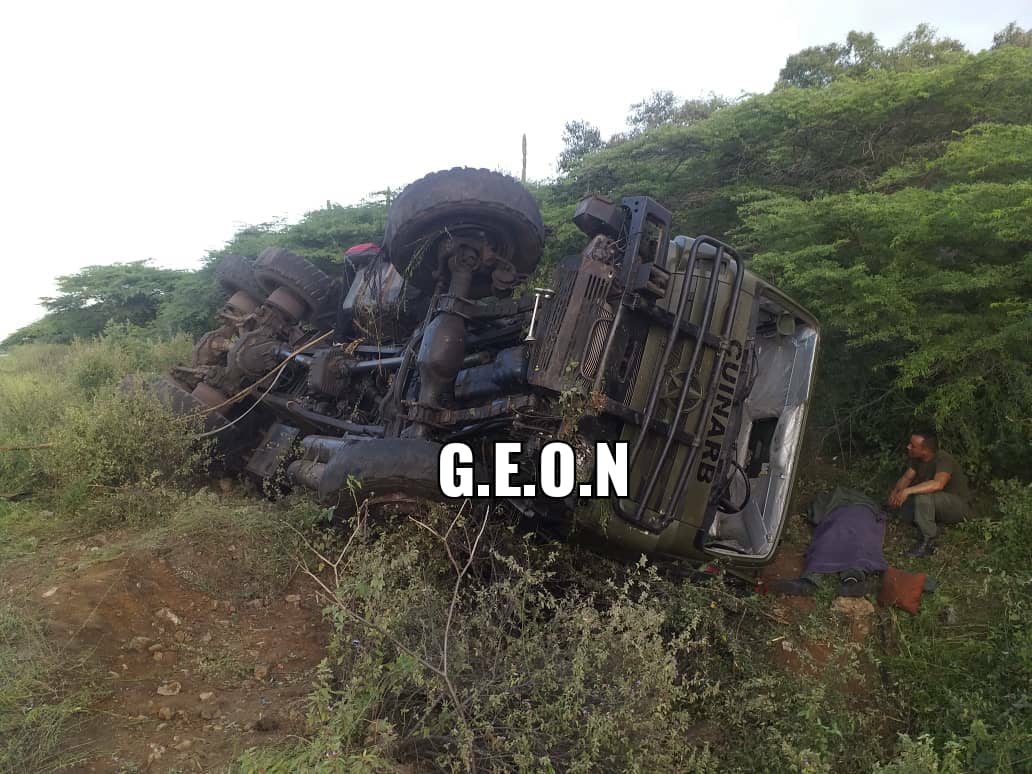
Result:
x=933 y=491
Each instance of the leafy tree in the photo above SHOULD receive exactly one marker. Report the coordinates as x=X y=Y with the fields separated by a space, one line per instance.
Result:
x=662 y=107
x=190 y=306
x=322 y=236
x=820 y=65
x=130 y=291
x=88 y=300
x=659 y=108
x=1013 y=35
x=925 y=294
x=251 y=240
x=922 y=48
x=579 y=139
x=894 y=202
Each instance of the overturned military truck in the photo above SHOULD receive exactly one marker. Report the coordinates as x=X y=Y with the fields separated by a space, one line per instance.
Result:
x=666 y=344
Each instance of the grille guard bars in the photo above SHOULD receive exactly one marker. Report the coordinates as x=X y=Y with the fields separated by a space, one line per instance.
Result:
x=634 y=508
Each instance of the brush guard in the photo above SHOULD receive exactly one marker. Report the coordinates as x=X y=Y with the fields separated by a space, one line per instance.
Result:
x=635 y=508
x=636 y=282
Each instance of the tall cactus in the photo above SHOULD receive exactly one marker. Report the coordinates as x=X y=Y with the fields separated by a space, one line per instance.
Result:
x=523 y=179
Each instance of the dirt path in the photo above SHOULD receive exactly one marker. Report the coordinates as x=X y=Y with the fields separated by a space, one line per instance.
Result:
x=183 y=679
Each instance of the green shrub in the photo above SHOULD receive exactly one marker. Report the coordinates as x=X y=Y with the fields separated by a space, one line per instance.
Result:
x=1011 y=536
x=918 y=756
x=125 y=448
x=33 y=396
x=65 y=399
x=122 y=350
x=537 y=674
x=125 y=438
x=557 y=660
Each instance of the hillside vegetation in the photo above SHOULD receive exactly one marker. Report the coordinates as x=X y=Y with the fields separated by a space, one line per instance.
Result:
x=890 y=191
x=457 y=641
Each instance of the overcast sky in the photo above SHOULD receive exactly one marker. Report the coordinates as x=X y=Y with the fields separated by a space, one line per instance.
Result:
x=146 y=130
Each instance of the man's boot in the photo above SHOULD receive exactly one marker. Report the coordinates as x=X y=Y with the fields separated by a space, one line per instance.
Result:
x=793 y=587
x=923 y=547
x=854 y=584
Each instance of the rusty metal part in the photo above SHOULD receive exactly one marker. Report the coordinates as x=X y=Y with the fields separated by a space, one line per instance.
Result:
x=288 y=303
x=466 y=253
x=578 y=310
x=242 y=303
x=602 y=249
x=377 y=303
x=212 y=347
x=210 y=396
x=191 y=375
x=505 y=276
x=449 y=417
x=483 y=310
x=596 y=216
x=254 y=354
x=293 y=408
x=327 y=372
x=178 y=397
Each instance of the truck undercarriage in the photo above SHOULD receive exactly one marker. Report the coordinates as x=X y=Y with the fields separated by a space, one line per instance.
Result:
x=665 y=343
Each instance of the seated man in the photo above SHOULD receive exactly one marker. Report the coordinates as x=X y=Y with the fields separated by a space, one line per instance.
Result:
x=933 y=491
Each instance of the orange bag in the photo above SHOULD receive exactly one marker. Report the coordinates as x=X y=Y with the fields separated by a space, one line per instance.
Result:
x=902 y=589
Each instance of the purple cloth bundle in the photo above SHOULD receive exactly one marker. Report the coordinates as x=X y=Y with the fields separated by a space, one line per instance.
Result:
x=848 y=538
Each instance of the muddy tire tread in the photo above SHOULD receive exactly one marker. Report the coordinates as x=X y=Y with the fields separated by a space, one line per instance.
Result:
x=235 y=272
x=435 y=196
x=279 y=266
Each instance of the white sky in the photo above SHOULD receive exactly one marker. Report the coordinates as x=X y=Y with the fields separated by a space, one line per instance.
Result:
x=146 y=130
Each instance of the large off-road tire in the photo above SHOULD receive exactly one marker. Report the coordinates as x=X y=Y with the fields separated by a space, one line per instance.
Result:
x=278 y=267
x=457 y=198
x=236 y=273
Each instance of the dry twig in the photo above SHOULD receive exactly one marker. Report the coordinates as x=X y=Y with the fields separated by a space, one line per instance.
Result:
x=28 y=447
x=461 y=572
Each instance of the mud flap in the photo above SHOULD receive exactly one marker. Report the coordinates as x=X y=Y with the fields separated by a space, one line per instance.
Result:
x=273 y=450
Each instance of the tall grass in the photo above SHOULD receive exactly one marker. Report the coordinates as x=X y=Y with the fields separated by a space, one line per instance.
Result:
x=78 y=433
x=964 y=663
x=37 y=707
x=557 y=659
